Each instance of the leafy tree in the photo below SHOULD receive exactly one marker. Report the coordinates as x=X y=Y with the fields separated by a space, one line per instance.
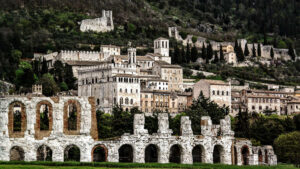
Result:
x=50 y=88
x=194 y=39
x=246 y=50
x=272 y=53
x=253 y=51
x=70 y=80
x=259 y=49
x=24 y=76
x=63 y=86
x=287 y=148
x=194 y=54
x=187 y=72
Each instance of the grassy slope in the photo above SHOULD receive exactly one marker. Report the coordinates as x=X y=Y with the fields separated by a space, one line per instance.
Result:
x=75 y=165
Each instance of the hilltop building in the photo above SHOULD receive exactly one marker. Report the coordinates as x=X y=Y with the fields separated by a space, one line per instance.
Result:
x=103 y=24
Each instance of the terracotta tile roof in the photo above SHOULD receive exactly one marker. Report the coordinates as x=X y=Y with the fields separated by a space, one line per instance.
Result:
x=164 y=64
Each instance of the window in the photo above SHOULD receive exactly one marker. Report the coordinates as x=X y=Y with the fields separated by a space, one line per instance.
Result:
x=213 y=92
x=131 y=101
x=126 y=100
x=121 y=101
x=260 y=108
x=125 y=90
x=146 y=103
x=218 y=92
x=115 y=100
x=222 y=93
x=137 y=90
x=131 y=91
x=227 y=93
x=120 y=90
x=253 y=107
x=146 y=96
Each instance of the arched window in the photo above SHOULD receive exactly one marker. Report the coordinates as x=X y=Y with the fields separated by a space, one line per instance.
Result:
x=198 y=154
x=131 y=101
x=72 y=153
x=44 y=153
x=17 y=118
x=126 y=153
x=175 y=154
x=126 y=100
x=99 y=153
x=72 y=117
x=44 y=117
x=16 y=154
x=260 y=157
x=120 y=90
x=218 y=154
x=125 y=90
x=151 y=154
x=245 y=155
x=121 y=100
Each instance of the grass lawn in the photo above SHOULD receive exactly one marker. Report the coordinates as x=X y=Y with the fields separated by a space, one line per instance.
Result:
x=77 y=165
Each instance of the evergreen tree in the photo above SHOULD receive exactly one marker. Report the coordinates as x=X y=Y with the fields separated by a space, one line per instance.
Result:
x=253 y=51
x=194 y=54
x=176 y=55
x=209 y=54
x=272 y=53
x=58 y=71
x=236 y=45
x=222 y=59
x=246 y=50
x=44 y=67
x=242 y=126
x=69 y=77
x=259 y=49
x=188 y=54
x=203 y=52
x=241 y=56
x=182 y=56
x=291 y=52
x=216 y=57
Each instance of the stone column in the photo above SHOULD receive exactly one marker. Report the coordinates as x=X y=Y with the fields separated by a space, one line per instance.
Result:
x=164 y=152
x=138 y=124
x=112 y=153
x=163 y=125
x=186 y=127
x=139 y=153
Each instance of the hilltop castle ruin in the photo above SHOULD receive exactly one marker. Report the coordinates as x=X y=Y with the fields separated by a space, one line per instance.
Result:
x=103 y=24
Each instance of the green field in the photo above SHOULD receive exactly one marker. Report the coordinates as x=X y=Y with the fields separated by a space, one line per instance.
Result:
x=77 y=165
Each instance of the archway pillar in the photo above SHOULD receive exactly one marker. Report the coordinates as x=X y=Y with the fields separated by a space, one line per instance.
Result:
x=227 y=155
x=85 y=155
x=139 y=153
x=30 y=153
x=58 y=154
x=112 y=153
x=164 y=152
x=208 y=154
x=187 y=156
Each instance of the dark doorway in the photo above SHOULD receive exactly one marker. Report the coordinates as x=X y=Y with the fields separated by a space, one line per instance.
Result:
x=218 y=154
x=175 y=154
x=260 y=157
x=72 y=118
x=198 y=152
x=235 y=156
x=126 y=154
x=100 y=153
x=245 y=155
x=17 y=154
x=72 y=153
x=44 y=153
x=151 y=154
x=266 y=157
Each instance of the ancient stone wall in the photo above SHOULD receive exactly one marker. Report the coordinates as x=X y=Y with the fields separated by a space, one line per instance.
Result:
x=103 y=24
x=216 y=144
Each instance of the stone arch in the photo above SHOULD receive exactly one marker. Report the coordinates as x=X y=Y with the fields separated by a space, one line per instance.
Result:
x=72 y=153
x=151 y=153
x=43 y=125
x=16 y=154
x=126 y=153
x=72 y=117
x=175 y=154
x=198 y=154
x=218 y=154
x=260 y=156
x=44 y=153
x=266 y=157
x=245 y=155
x=99 y=153
x=17 y=122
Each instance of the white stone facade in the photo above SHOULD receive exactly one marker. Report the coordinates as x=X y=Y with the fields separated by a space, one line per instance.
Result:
x=103 y=24
x=218 y=138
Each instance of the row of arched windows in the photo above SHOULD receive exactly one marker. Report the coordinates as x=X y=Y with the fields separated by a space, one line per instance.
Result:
x=126 y=101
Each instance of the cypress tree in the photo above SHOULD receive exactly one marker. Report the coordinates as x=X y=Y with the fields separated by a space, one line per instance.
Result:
x=176 y=55
x=44 y=67
x=259 y=49
x=182 y=56
x=272 y=53
x=194 y=54
x=253 y=51
x=209 y=53
x=222 y=59
x=236 y=45
x=188 y=54
x=241 y=54
x=246 y=51
x=291 y=52
x=216 y=57
x=203 y=53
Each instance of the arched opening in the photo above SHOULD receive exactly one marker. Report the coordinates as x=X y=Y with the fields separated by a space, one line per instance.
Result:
x=218 y=154
x=235 y=156
x=17 y=118
x=175 y=154
x=72 y=153
x=260 y=157
x=245 y=155
x=17 y=154
x=266 y=157
x=126 y=154
x=44 y=117
x=198 y=154
x=99 y=153
x=72 y=117
x=44 y=153
x=151 y=154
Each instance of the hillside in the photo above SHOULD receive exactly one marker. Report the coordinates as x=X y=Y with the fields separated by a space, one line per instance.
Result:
x=30 y=26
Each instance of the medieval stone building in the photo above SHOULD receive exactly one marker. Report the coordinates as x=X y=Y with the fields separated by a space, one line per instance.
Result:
x=103 y=24
x=23 y=138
